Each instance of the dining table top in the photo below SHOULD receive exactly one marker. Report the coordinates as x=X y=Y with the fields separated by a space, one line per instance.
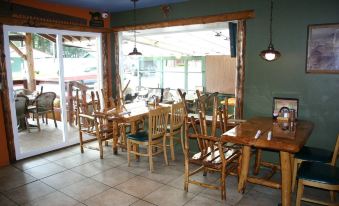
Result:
x=281 y=140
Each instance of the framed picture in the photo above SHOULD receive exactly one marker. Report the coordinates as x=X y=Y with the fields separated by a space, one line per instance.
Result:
x=282 y=103
x=323 y=49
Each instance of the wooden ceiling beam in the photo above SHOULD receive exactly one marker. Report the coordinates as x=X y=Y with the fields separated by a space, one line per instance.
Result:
x=241 y=15
x=17 y=50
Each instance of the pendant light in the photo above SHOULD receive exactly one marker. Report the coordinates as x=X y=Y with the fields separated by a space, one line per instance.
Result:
x=135 y=50
x=270 y=54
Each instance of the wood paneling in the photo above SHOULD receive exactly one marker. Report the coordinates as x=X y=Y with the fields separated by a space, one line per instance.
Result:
x=220 y=74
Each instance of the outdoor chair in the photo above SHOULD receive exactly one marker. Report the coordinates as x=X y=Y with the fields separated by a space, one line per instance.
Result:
x=42 y=105
x=21 y=103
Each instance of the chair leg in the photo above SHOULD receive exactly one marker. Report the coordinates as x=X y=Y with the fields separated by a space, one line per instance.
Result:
x=172 y=147
x=258 y=155
x=296 y=164
x=300 y=192
x=55 y=124
x=101 y=149
x=150 y=158
x=129 y=152
x=332 y=195
x=223 y=185
x=38 y=122
x=81 y=143
x=27 y=125
x=165 y=149
x=46 y=118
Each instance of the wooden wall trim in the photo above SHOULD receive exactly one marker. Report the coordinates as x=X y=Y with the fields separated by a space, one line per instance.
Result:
x=24 y=22
x=5 y=99
x=240 y=75
x=240 y=15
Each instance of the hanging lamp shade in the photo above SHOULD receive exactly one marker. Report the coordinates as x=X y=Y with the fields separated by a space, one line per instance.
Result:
x=135 y=50
x=270 y=54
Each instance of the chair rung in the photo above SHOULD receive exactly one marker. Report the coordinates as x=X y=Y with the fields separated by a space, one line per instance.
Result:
x=205 y=185
x=319 y=202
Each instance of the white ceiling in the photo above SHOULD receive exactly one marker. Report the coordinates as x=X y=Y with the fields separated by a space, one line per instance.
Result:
x=193 y=40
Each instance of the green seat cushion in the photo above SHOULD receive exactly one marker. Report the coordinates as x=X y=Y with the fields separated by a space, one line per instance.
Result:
x=319 y=172
x=314 y=154
x=139 y=136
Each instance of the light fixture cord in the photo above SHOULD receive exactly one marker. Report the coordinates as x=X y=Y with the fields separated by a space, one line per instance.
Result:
x=271 y=22
x=135 y=20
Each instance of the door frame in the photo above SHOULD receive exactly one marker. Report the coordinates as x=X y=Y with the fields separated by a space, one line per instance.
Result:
x=59 y=58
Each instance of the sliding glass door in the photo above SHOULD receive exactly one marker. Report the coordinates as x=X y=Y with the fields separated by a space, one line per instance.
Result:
x=45 y=67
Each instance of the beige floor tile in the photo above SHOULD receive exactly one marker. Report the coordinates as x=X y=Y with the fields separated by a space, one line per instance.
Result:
x=111 y=197
x=29 y=192
x=255 y=198
x=75 y=160
x=30 y=162
x=56 y=155
x=142 y=203
x=135 y=168
x=5 y=201
x=53 y=199
x=84 y=189
x=202 y=201
x=45 y=170
x=179 y=182
x=16 y=179
x=95 y=167
x=139 y=186
x=113 y=177
x=63 y=179
x=163 y=175
x=169 y=196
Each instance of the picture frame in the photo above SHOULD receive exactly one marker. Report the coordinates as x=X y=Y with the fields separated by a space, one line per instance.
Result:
x=323 y=49
x=290 y=103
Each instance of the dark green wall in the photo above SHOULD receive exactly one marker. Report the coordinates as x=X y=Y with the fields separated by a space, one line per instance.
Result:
x=318 y=93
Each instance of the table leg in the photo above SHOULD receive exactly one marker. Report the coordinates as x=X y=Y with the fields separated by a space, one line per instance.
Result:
x=285 y=163
x=246 y=152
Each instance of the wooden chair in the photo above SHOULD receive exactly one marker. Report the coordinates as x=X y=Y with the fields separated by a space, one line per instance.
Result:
x=42 y=105
x=214 y=155
x=153 y=138
x=187 y=123
x=319 y=175
x=309 y=154
x=94 y=124
x=177 y=117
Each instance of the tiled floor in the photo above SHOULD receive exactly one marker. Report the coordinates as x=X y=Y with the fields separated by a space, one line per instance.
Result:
x=67 y=177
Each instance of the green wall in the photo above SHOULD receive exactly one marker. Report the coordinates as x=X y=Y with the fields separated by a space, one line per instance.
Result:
x=318 y=93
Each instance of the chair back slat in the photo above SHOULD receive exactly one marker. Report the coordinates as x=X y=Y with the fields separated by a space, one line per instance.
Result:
x=177 y=116
x=158 y=119
x=335 y=152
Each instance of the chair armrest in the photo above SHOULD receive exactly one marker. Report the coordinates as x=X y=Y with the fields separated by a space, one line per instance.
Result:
x=87 y=116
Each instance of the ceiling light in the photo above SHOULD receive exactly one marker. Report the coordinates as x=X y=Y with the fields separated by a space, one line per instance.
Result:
x=135 y=50
x=270 y=54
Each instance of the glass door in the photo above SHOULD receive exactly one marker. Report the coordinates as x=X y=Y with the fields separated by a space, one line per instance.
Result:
x=42 y=63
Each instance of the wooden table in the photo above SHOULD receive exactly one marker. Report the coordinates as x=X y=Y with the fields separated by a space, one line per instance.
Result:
x=287 y=146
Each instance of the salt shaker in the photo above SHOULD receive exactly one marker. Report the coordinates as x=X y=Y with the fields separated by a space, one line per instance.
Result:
x=292 y=115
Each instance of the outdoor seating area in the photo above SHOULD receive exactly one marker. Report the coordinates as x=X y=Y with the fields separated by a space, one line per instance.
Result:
x=169 y=102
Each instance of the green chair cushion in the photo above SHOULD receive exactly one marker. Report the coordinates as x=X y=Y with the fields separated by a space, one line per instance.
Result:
x=314 y=154
x=319 y=172
x=139 y=136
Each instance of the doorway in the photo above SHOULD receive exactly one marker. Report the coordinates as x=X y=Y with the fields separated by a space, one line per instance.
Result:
x=43 y=64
